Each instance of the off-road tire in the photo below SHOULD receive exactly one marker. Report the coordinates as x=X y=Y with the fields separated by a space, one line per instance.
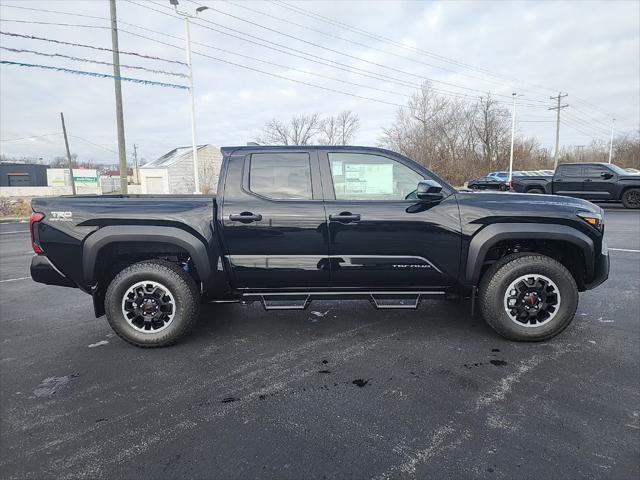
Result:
x=631 y=198
x=535 y=190
x=181 y=286
x=500 y=275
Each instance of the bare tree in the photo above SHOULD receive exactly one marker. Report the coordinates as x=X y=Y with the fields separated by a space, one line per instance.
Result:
x=341 y=129
x=300 y=130
x=491 y=125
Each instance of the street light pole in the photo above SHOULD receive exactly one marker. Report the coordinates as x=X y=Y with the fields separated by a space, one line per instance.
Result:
x=194 y=145
x=613 y=122
x=513 y=131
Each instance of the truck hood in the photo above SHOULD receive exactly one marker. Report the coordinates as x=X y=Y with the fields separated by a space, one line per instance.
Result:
x=527 y=202
x=631 y=178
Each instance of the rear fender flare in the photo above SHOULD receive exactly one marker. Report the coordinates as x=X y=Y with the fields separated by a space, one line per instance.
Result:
x=131 y=233
x=492 y=234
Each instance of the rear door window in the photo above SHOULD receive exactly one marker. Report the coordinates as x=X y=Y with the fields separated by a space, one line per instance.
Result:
x=570 y=170
x=281 y=176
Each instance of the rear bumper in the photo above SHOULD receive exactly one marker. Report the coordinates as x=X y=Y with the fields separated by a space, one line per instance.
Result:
x=42 y=271
x=601 y=268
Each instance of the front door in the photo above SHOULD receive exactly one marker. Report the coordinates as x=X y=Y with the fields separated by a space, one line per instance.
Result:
x=599 y=183
x=273 y=220
x=380 y=236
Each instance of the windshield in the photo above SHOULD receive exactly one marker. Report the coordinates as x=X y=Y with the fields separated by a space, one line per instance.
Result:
x=619 y=171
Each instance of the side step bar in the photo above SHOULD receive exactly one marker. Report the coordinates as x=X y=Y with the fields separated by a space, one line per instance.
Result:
x=380 y=300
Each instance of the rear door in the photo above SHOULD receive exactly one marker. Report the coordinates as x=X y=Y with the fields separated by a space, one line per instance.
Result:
x=568 y=180
x=380 y=236
x=599 y=183
x=273 y=220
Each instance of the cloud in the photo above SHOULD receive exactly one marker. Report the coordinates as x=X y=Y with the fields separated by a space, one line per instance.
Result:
x=590 y=50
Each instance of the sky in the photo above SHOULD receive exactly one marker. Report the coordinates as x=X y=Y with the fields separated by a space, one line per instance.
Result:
x=590 y=50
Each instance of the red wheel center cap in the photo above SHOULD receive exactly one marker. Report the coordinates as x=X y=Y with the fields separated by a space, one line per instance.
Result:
x=532 y=299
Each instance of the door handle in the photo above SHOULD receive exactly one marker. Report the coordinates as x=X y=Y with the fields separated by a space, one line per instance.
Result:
x=245 y=217
x=345 y=217
x=588 y=180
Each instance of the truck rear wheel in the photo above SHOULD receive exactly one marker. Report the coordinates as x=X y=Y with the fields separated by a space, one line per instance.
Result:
x=631 y=198
x=535 y=190
x=528 y=297
x=152 y=303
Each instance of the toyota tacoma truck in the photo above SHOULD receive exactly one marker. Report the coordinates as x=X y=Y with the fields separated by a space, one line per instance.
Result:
x=597 y=182
x=290 y=225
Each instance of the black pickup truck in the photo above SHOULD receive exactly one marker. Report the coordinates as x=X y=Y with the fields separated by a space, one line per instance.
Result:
x=293 y=224
x=597 y=182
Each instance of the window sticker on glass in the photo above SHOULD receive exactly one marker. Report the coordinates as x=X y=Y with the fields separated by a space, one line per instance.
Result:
x=336 y=168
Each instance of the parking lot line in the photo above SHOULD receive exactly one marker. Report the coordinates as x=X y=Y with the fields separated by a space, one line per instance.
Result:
x=14 y=279
x=624 y=250
x=16 y=231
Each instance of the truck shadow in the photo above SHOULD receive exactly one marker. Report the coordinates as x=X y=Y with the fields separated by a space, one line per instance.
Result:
x=431 y=319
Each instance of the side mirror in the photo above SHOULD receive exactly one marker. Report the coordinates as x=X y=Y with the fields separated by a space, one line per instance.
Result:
x=606 y=175
x=429 y=191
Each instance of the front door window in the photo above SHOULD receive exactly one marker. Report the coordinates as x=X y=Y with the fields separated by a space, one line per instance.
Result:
x=358 y=176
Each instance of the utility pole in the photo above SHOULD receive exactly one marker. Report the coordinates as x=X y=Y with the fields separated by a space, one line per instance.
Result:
x=122 y=152
x=66 y=144
x=187 y=34
x=613 y=122
x=557 y=108
x=135 y=163
x=513 y=132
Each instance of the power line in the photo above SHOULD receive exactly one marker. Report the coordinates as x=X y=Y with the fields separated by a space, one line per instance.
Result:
x=246 y=67
x=356 y=70
x=586 y=124
x=58 y=133
x=29 y=138
x=92 y=74
x=374 y=75
x=88 y=60
x=381 y=38
x=578 y=129
x=95 y=144
x=93 y=47
x=33 y=22
x=355 y=57
x=330 y=35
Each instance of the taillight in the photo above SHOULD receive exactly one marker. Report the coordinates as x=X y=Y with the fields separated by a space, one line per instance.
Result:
x=510 y=184
x=33 y=229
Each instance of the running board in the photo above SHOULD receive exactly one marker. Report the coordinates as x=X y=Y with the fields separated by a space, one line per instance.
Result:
x=380 y=300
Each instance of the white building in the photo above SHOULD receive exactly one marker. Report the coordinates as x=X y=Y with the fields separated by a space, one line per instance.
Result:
x=173 y=172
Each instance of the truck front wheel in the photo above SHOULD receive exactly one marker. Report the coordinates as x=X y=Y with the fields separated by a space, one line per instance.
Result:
x=528 y=297
x=631 y=198
x=152 y=303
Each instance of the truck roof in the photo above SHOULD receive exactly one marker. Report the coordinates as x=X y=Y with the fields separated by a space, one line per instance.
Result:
x=229 y=150
x=584 y=163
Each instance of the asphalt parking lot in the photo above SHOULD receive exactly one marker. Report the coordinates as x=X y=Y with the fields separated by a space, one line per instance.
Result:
x=337 y=391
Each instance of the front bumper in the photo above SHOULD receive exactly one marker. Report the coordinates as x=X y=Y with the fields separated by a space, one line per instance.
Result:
x=601 y=268
x=42 y=271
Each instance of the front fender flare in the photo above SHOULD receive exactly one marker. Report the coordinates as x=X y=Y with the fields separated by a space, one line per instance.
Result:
x=142 y=233
x=492 y=234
